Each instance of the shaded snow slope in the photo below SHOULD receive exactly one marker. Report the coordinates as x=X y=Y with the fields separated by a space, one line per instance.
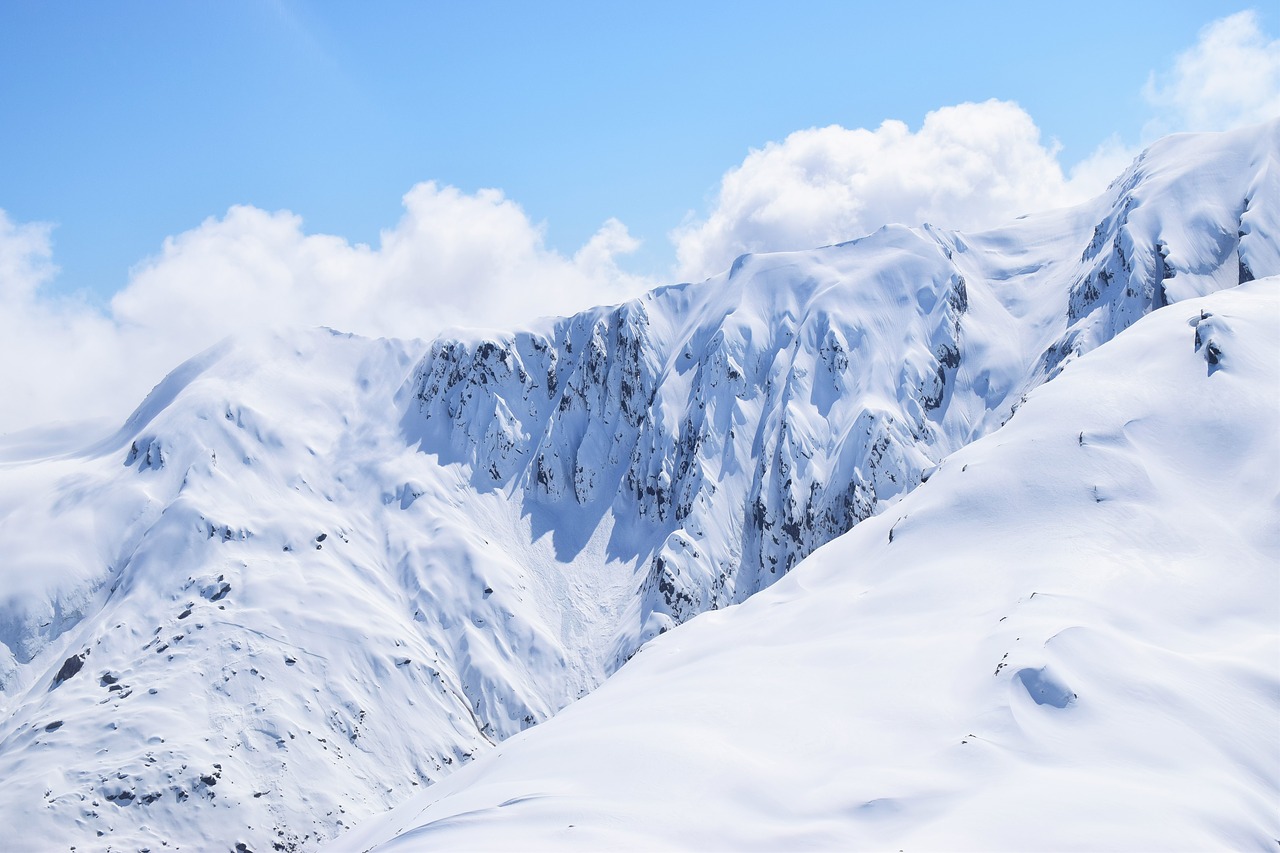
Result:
x=1067 y=639
x=256 y=600
x=314 y=573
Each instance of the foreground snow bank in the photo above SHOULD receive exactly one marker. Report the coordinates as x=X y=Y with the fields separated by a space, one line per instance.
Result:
x=1066 y=639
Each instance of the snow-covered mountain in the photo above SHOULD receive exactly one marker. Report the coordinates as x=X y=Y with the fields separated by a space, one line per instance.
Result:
x=315 y=573
x=1067 y=639
x=727 y=429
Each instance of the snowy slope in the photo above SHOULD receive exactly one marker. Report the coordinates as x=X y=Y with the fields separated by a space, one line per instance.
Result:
x=1068 y=638
x=314 y=573
x=256 y=598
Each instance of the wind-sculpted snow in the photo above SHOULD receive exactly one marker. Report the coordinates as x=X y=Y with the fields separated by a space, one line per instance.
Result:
x=1066 y=640
x=314 y=573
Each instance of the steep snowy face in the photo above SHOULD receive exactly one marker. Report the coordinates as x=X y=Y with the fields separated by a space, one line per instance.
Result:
x=723 y=429
x=255 y=600
x=1066 y=639
x=730 y=428
x=1192 y=215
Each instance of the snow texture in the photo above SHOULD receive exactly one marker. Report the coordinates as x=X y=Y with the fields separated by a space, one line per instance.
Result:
x=314 y=574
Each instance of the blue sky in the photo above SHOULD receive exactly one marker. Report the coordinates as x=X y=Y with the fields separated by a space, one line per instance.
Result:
x=126 y=123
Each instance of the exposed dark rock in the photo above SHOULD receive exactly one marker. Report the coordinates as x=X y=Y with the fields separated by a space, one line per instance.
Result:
x=1244 y=273
x=69 y=668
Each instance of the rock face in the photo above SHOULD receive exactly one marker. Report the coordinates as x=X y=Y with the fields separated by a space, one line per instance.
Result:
x=323 y=571
x=725 y=449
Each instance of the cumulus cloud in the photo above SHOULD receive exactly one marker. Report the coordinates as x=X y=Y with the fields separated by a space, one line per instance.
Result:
x=1229 y=78
x=969 y=166
x=453 y=259
x=26 y=259
x=47 y=345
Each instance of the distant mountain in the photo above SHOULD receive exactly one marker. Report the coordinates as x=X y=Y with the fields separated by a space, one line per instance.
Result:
x=314 y=573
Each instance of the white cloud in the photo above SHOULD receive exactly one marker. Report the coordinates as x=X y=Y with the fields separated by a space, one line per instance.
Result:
x=1229 y=78
x=454 y=259
x=1108 y=160
x=970 y=166
x=26 y=259
x=51 y=349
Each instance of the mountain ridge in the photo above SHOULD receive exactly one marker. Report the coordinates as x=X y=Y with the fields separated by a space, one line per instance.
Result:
x=471 y=533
